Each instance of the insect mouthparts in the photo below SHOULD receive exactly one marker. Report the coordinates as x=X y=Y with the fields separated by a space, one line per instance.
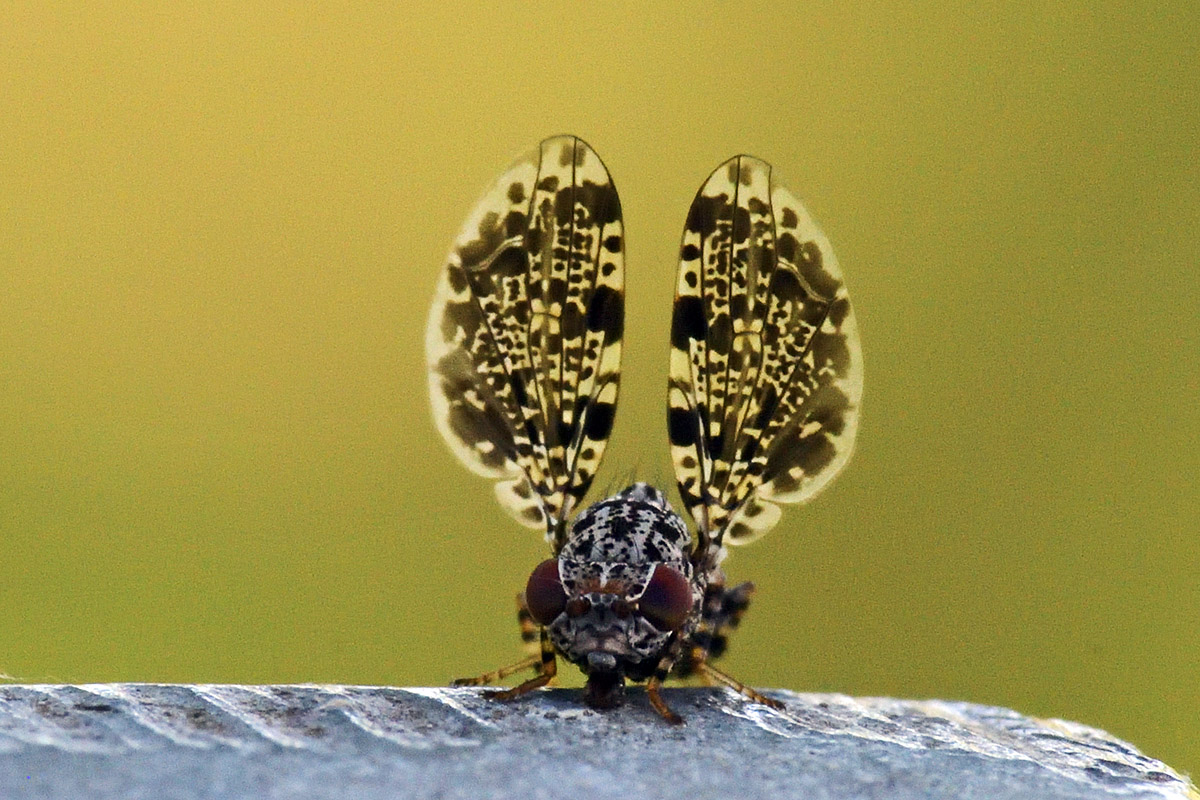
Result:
x=601 y=661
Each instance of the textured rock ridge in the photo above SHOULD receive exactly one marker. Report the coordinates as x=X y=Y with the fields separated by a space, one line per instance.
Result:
x=202 y=741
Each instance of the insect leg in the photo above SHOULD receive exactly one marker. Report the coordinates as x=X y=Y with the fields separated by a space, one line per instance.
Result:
x=529 y=628
x=723 y=610
x=546 y=665
x=733 y=683
x=529 y=662
x=655 y=683
x=529 y=641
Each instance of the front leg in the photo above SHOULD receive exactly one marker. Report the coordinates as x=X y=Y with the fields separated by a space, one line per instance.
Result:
x=652 y=693
x=748 y=692
x=533 y=661
x=665 y=664
x=547 y=669
x=723 y=610
x=529 y=662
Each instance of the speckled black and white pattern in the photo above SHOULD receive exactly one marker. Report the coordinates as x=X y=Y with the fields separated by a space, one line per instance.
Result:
x=610 y=555
x=634 y=526
x=524 y=336
x=766 y=373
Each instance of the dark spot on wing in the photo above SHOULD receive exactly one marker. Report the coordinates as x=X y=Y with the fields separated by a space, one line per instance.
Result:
x=509 y=263
x=741 y=224
x=600 y=421
x=738 y=306
x=606 y=312
x=688 y=323
x=770 y=400
x=601 y=199
x=785 y=246
x=518 y=387
x=682 y=427
x=812 y=268
x=715 y=445
x=514 y=224
x=702 y=217
x=567 y=154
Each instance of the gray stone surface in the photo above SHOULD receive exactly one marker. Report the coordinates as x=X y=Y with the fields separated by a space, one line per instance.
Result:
x=205 y=741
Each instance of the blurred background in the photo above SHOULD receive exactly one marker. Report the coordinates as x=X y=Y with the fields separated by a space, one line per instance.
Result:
x=220 y=229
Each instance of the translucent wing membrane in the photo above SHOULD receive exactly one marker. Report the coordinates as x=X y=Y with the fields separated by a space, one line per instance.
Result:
x=766 y=374
x=524 y=337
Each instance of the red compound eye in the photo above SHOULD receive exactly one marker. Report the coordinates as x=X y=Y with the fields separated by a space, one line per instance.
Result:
x=667 y=600
x=544 y=594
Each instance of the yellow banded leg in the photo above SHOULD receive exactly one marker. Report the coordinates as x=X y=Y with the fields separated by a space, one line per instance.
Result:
x=547 y=667
x=733 y=683
x=529 y=628
x=655 y=684
x=697 y=658
x=529 y=642
x=529 y=662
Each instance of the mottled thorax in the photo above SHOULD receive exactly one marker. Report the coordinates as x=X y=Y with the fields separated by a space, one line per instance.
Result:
x=626 y=559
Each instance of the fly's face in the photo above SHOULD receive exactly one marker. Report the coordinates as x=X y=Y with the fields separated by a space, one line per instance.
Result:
x=763 y=390
x=622 y=589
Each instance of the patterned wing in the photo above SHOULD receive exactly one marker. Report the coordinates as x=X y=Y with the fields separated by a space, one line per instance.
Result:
x=524 y=337
x=766 y=374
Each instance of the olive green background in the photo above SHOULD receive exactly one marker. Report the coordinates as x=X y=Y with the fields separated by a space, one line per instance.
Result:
x=220 y=229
